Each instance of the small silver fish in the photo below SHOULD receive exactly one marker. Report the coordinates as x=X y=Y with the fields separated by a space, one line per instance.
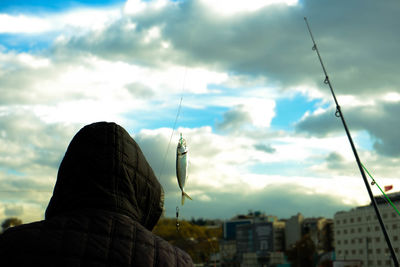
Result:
x=182 y=164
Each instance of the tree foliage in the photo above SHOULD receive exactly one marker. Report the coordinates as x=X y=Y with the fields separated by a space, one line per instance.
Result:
x=198 y=241
x=9 y=222
x=303 y=252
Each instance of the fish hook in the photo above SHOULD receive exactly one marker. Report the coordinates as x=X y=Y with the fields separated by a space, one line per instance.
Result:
x=177 y=218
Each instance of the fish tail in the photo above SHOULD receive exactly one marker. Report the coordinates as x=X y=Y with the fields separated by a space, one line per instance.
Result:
x=183 y=197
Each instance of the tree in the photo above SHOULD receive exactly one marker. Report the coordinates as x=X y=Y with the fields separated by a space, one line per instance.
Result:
x=302 y=253
x=198 y=241
x=10 y=222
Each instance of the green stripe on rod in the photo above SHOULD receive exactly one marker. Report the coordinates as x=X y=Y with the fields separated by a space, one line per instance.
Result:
x=388 y=199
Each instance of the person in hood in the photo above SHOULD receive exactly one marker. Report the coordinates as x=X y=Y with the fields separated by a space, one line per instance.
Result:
x=105 y=203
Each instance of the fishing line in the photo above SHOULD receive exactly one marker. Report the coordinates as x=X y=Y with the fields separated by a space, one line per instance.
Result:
x=177 y=219
x=387 y=200
x=174 y=126
x=177 y=113
x=170 y=140
x=386 y=197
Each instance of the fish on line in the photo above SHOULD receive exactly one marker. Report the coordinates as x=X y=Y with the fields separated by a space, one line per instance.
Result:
x=182 y=165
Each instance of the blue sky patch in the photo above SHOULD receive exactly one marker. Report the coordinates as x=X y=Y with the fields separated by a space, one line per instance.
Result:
x=33 y=6
x=12 y=172
x=290 y=110
x=364 y=140
x=191 y=117
x=188 y=118
x=26 y=42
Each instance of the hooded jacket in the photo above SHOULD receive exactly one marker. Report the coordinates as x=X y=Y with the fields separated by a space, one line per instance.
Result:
x=105 y=203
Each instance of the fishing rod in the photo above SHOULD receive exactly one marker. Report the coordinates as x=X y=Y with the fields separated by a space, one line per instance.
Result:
x=339 y=114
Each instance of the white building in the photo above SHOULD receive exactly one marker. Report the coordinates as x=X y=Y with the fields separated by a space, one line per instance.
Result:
x=358 y=235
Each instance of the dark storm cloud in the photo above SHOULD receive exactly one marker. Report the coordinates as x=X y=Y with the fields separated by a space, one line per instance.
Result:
x=380 y=121
x=359 y=52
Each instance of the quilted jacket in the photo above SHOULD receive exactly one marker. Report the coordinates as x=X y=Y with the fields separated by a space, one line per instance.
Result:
x=105 y=203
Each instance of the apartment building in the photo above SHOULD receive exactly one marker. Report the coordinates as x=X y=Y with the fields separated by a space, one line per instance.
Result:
x=293 y=230
x=358 y=235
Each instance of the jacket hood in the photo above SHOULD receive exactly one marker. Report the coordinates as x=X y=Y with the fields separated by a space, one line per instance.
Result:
x=104 y=168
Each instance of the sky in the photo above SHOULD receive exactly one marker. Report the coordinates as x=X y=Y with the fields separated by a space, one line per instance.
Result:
x=239 y=78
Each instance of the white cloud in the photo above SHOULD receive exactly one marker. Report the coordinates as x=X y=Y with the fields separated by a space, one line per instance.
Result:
x=231 y=7
x=12 y=60
x=391 y=97
x=83 y=19
x=23 y=24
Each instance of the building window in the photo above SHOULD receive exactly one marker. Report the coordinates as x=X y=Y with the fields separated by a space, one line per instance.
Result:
x=395 y=238
x=352 y=241
x=370 y=251
x=361 y=251
x=358 y=219
x=360 y=240
x=379 y=262
x=376 y=228
x=393 y=215
x=394 y=226
x=344 y=221
x=353 y=251
x=377 y=239
x=385 y=216
x=360 y=230
x=338 y=242
x=351 y=220
x=345 y=231
x=378 y=251
x=368 y=229
x=396 y=249
x=339 y=251
x=352 y=230
x=345 y=241
x=338 y=232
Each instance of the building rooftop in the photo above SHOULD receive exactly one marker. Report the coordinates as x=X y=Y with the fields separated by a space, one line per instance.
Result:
x=394 y=197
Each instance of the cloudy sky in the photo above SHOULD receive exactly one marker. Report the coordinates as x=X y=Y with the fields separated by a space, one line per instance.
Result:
x=257 y=117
